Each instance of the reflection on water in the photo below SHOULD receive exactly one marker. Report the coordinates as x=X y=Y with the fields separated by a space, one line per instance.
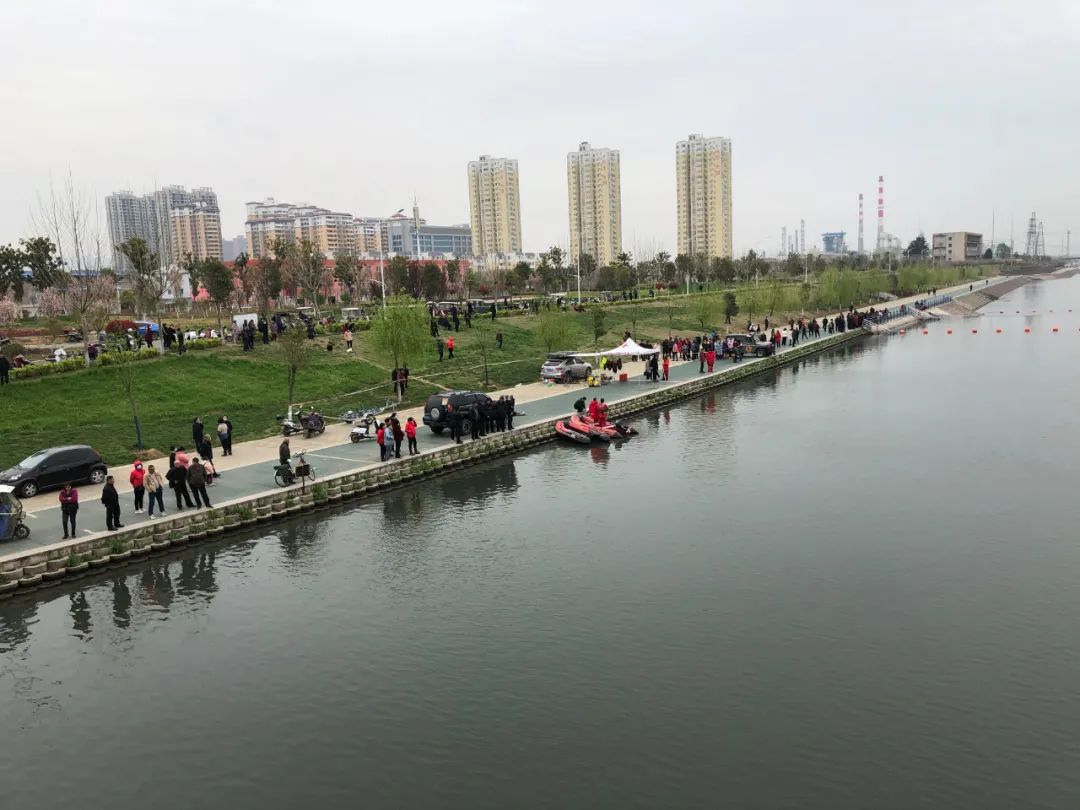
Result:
x=847 y=583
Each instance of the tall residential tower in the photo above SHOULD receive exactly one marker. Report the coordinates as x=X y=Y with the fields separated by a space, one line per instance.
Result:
x=592 y=181
x=494 y=206
x=703 y=196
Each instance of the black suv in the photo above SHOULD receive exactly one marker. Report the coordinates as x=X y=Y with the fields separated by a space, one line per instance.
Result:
x=751 y=346
x=436 y=414
x=54 y=467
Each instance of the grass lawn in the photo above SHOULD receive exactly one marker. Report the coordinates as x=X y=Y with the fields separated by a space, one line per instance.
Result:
x=90 y=407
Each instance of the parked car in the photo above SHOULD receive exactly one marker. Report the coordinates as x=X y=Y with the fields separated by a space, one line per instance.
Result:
x=753 y=345
x=564 y=368
x=51 y=468
x=436 y=409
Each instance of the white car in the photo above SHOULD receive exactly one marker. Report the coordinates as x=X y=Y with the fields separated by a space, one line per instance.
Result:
x=565 y=368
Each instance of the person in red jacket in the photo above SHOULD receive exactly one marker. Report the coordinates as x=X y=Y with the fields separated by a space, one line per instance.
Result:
x=379 y=435
x=667 y=367
x=601 y=413
x=410 y=434
x=69 y=505
x=136 y=479
x=450 y=347
x=594 y=409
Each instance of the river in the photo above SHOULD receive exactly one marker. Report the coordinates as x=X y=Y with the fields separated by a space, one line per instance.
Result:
x=849 y=583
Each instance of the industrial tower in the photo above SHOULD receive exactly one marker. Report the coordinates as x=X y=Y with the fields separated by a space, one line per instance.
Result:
x=1032 y=247
x=881 y=212
x=860 y=224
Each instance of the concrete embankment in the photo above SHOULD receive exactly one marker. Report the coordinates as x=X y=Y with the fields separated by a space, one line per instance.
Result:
x=970 y=303
x=48 y=565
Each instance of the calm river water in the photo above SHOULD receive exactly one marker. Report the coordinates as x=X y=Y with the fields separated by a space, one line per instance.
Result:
x=847 y=584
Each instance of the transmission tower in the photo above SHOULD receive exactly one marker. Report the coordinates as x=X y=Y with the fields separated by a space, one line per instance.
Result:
x=1032 y=247
x=1040 y=242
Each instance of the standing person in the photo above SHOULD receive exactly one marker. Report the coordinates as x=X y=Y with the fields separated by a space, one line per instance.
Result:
x=388 y=440
x=5 y=369
x=403 y=379
x=154 y=486
x=499 y=340
x=474 y=421
x=197 y=431
x=457 y=320
x=196 y=481
x=410 y=434
x=347 y=337
x=69 y=505
x=594 y=409
x=439 y=348
x=180 y=341
x=111 y=499
x=206 y=449
x=399 y=435
x=454 y=415
x=224 y=432
x=602 y=411
x=177 y=478
x=511 y=405
x=136 y=481
x=667 y=367
x=380 y=434
x=450 y=347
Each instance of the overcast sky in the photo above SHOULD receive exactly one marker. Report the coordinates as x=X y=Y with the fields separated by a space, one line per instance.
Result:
x=967 y=107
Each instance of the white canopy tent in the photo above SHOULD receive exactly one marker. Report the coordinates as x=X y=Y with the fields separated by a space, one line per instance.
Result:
x=630 y=348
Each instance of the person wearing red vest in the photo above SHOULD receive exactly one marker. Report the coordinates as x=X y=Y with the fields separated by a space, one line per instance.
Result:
x=136 y=479
x=450 y=347
x=594 y=409
x=410 y=434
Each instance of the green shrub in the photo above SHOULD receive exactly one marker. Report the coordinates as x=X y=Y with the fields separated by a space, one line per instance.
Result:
x=318 y=492
x=117 y=546
x=245 y=512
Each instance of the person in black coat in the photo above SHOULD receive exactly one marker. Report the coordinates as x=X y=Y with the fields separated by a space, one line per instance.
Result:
x=5 y=369
x=111 y=499
x=225 y=436
x=197 y=431
x=177 y=478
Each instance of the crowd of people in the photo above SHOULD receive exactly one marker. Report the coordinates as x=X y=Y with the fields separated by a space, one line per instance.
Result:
x=390 y=434
x=490 y=416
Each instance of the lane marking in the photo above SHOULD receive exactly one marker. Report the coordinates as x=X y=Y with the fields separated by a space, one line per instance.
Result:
x=336 y=458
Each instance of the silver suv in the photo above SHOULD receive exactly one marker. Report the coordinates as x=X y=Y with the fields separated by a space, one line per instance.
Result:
x=565 y=368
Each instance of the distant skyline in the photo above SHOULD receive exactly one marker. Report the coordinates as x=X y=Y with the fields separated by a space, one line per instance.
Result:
x=965 y=107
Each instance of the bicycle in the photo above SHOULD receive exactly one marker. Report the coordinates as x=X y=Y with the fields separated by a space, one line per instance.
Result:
x=285 y=475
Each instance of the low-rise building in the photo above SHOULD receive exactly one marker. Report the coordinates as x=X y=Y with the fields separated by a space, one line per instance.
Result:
x=958 y=246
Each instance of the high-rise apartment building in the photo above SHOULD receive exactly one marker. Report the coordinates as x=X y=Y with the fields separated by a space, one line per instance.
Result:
x=195 y=230
x=703 y=196
x=129 y=215
x=332 y=233
x=494 y=206
x=592 y=180
x=172 y=220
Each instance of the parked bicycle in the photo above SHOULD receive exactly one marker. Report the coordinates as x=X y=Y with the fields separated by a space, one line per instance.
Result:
x=286 y=475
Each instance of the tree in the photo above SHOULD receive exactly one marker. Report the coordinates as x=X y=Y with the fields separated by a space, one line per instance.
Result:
x=297 y=352
x=522 y=274
x=684 y=267
x=546 y=273
x=598 y=316
x=399 y=333
x=9 y=310
x=217 y=279
x=989 y=254
x=247 y=283
x=51 y=307
x=624 y=259
x=917 y=249
x=433 y=282
x=703 y=309
x=725 y=271
x=587 y=265
x=415 y=285
x=776 y=295
x=86 y=297
x=147 y=280
x=731 y=306
x=43 y=260
x=1003 y=251
x=125 y=363
x=553 y=329
x=397 y=275
x=453 y=273
x=557 y=257
x=12 y=280
x=634 y=310
x=484 y=330
x=266 y=277
x=306 y=266
x=472 y=280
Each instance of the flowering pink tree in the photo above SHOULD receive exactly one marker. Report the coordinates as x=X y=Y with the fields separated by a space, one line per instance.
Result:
x=9 y=310
x=51 y=307
x=88 y=299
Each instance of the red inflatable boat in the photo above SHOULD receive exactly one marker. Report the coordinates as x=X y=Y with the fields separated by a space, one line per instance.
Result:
x=568 y=433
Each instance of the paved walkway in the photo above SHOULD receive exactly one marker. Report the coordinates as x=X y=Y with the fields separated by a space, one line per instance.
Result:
x=251 y=467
